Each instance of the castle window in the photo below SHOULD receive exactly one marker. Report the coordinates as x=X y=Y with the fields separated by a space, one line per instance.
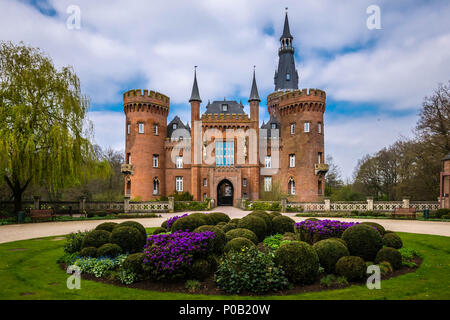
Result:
x=224 y=107
x=319 y=157
x=267 y=184
x=292 y=187
x=128 y=128
x=204 y=196
x=307 y=126
x=292 y=160
x=292 y=128
x=274 y=125
x=128 y=158
x=174 y=126
x=268 y=162
x=155 y=186
x=319 y=128
x=319 y=187
x=128 y=187
x=141 y=128
x=179 y=163
x=244 y=182
x=205 y=182
x=155 y=161
x=155 y=129
x=244 y=196
x=224 y=153
x=179 y=184
x=288 y=76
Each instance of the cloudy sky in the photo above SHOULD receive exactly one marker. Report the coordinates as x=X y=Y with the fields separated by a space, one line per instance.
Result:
x=375 y=79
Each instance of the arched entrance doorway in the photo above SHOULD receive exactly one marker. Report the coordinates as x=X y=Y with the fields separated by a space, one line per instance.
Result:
x=225 y=192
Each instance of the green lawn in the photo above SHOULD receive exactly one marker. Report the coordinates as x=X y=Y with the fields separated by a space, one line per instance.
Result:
x=34 y=274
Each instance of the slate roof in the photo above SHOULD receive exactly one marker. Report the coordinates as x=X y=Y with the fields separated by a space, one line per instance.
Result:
x=268 y=126
x=233 y=107
x=180 y=125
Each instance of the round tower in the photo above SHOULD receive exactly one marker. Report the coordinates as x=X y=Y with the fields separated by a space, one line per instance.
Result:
x=302 y=153
x=145 y=130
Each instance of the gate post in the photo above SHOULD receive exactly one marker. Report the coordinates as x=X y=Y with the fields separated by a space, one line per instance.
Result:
x=369 y=203
x=37 y=204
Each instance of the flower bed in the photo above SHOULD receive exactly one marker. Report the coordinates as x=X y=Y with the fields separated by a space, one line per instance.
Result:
x=313 y=231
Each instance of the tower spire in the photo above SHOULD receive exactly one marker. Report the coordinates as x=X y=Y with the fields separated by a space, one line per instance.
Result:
x=195 y=95
x=254 y=96
x=286 y=77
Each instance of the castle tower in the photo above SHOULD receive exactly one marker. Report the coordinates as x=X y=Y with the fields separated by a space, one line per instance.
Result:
x=300 y=115
x=146 y=128
x=196 y=160
x=254 y=101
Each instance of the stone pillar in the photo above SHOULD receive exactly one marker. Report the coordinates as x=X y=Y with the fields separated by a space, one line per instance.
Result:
x=213 y=203
x=405 y=203
x=82 y=204
x=369 y=203
x=284 y=205
x=126 y=204
x=37 y=204
x=327 y=204
x=171 y=204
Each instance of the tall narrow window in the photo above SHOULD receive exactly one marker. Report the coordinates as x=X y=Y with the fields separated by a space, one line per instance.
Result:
x=128 y=187
x=267 y=184
x=292 y=160
x=205 y=182
x=128 y=158
x=128 y=128
x=244 y=182
x=179 y=163
x=155 y=129
x=292 y=128
x=155 y=161
x=307 y=126
x=141 y=128
x=179 y=184
x=319 y=187
x=268 y=162
x=224 y=153
x=155 y=186
x=288 y=76
x=319 y=127
x=319 y=157
x=292 y=187
x=174 y=126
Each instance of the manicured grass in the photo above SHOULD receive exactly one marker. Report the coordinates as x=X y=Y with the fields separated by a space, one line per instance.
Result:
x=34 y=274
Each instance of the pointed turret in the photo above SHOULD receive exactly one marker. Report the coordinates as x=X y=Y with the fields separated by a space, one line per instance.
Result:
x=286 y=31
x=254 y=96
x=195 y=95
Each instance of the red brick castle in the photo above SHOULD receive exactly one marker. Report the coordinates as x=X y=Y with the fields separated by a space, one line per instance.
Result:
x=227 y=155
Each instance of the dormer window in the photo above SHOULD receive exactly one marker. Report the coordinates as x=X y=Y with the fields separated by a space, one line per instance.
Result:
x=274 y=125
x=174 y=126
x=224 y=107
x=288 y=76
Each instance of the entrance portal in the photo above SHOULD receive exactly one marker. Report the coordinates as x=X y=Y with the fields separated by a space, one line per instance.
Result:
x=225 y=193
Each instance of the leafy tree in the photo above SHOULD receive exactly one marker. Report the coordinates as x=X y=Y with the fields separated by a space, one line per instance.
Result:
x=43 y=127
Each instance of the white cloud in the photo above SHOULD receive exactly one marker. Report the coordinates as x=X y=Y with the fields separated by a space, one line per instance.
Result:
x=109 y=129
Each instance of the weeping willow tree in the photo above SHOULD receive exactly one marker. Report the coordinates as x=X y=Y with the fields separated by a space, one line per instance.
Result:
x=44 y=131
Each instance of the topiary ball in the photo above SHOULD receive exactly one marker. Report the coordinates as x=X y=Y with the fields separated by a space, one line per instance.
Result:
x=229 y=226
x=107 y=226
x=242 y=233
x=109 y=250
x=217 y=243
x=96 y=238
x=267 y=219
x=351 y=267
x=392 y=240
x=255 y=224
x=164 y=224
x=134 y=224
x=299 y=261
x=221 y=224
x=218 y=217
x=189 y=223
x=282 y=224
x=312 y=219
x=385 y=268
x=329 y=252
x=159 y=230
x=390 y=255
x=130 y=239
x=290 y=236
x=234 y=221
x=205 y=218
x=200 y=269
x=339 y=240
x=133 y=263
x=237 y=244
x=379 y=227
x=88 y=252
x=363 y=241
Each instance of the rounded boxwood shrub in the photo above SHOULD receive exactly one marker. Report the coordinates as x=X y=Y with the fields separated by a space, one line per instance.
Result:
x=229 y=226
x=107 y=226
x=299 y=261
x=130 y=239
x=164 y=224
x=206 y=219
x=385 y=268
x=96 y=238
x=133 y=263
x=267 y=219
x=339 y=240
x=312 y=219
x=351 y=267
x=282 y=224
x=379 y=227
x=218 y=217
x=255 y=224
x=363 y=241
x=290 y=236
x=274 y=214
x=189 y=223
x=237 y=244
x=200 y=269
x=221 y=224
x=242 y=233
x=109 y=250
x=217 y=243
x=392 y=240
x=390 y=255
x=234 y=221
x=329 y=252
x=135 y=225
x=88 y=252
x=159 y=230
